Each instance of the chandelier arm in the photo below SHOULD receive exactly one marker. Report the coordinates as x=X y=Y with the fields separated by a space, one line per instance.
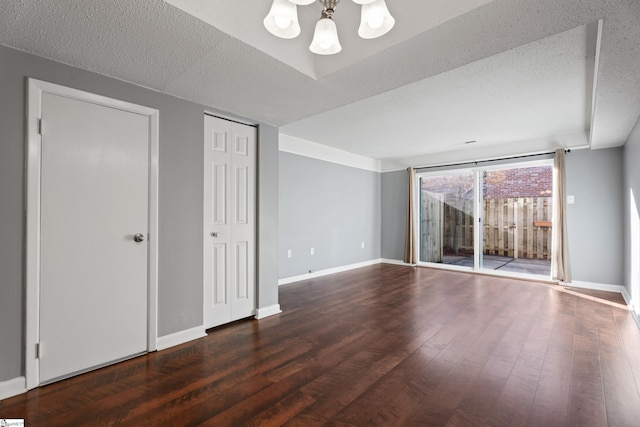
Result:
x=329 y=7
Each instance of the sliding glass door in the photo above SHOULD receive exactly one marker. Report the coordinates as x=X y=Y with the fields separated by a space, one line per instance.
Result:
x=447 y=218
x=491 y=218
x=517 y=209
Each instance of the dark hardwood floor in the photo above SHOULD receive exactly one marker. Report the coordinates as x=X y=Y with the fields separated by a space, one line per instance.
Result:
x=382 y=345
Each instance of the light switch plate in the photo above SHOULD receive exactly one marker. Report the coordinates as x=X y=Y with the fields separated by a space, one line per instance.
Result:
x=571 y=200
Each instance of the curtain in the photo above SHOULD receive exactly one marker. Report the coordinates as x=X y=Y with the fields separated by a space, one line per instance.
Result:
x=410 y=239
x=560 y=249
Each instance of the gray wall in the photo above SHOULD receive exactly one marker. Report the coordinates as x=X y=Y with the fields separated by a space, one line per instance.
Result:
x=631 y=154
x=394 y=214
x=594 y=221
x=268 y=158
x=330 y=207
x=180 y=199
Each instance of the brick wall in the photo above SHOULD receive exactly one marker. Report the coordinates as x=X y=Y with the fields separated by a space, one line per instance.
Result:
x=497 y=184
x=521 y=182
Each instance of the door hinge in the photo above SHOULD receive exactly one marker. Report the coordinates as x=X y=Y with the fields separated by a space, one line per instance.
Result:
x=39 y=126
x=37 y=350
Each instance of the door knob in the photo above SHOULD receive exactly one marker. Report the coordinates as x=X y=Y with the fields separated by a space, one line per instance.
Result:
x=138 y=237
x=214 y=234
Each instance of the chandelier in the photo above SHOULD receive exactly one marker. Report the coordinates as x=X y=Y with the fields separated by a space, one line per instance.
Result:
x=282 y=21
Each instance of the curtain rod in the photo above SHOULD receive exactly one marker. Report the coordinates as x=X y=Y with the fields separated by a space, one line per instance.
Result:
x=491 y=160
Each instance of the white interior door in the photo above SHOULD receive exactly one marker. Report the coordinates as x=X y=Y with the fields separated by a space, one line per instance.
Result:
x=229 y=221
x=94 y=200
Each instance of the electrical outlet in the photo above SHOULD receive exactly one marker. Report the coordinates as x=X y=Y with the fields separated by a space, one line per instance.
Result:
x=312 y=251
x=289 y=253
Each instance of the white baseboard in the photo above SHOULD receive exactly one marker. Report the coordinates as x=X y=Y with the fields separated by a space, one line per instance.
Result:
x=181 y=337
x=635 y=317
x=396 y=262
x=594 y=286
x=627 y=297
x=326 y=272
x=12 y=387
x=271 y=310
x=631 y=304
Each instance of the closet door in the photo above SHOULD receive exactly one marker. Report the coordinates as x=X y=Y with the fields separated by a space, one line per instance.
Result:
x=229 y=221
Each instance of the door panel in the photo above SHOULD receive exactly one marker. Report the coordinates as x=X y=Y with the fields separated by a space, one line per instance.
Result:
x=242 y=196
x=517 y=207
x=94 y=198
x=229 y=245
x=242 y=272
x=219 y=267
x=243 y=286
x=447 y=218
x=220 y=194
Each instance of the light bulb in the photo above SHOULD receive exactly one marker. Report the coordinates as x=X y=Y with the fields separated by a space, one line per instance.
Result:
x=325 y=38
x=376 y=20
x=283 y=21
x=324 y=42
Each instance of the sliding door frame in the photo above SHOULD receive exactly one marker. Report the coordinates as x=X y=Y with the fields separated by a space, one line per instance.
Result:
x=478 y=218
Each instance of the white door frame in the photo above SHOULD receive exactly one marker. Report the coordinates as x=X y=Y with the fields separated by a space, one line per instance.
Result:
x=35 y=90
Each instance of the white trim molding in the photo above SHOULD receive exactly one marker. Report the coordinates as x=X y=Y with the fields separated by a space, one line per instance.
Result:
x=594 y=286
x=271 y=310
x=303 y=147
x=327 y=272
x=181 y=337
x=627 y=298
x=12 y=388
x=33 y=153
x=631 y=304
x=396 y=262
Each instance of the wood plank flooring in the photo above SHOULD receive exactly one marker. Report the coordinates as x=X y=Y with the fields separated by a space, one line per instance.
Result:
x=382 y=345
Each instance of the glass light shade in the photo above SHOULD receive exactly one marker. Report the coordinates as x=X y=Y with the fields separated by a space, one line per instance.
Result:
x=325 y=38
x=363 y=1
x=375 y=20
x=302 y=2
x=282 y=20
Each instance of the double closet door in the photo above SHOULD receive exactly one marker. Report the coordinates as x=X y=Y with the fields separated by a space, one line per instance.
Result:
x=229 y=221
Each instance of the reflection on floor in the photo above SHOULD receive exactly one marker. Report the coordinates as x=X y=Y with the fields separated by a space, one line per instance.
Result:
x=493 y=262
x=612 y=297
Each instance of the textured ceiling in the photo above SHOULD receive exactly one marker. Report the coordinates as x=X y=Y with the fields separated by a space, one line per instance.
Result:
x=416 y=16
x=515 y=75
x=535 y=93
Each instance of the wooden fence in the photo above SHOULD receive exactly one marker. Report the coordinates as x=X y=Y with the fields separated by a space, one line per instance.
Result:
x=513 y=227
